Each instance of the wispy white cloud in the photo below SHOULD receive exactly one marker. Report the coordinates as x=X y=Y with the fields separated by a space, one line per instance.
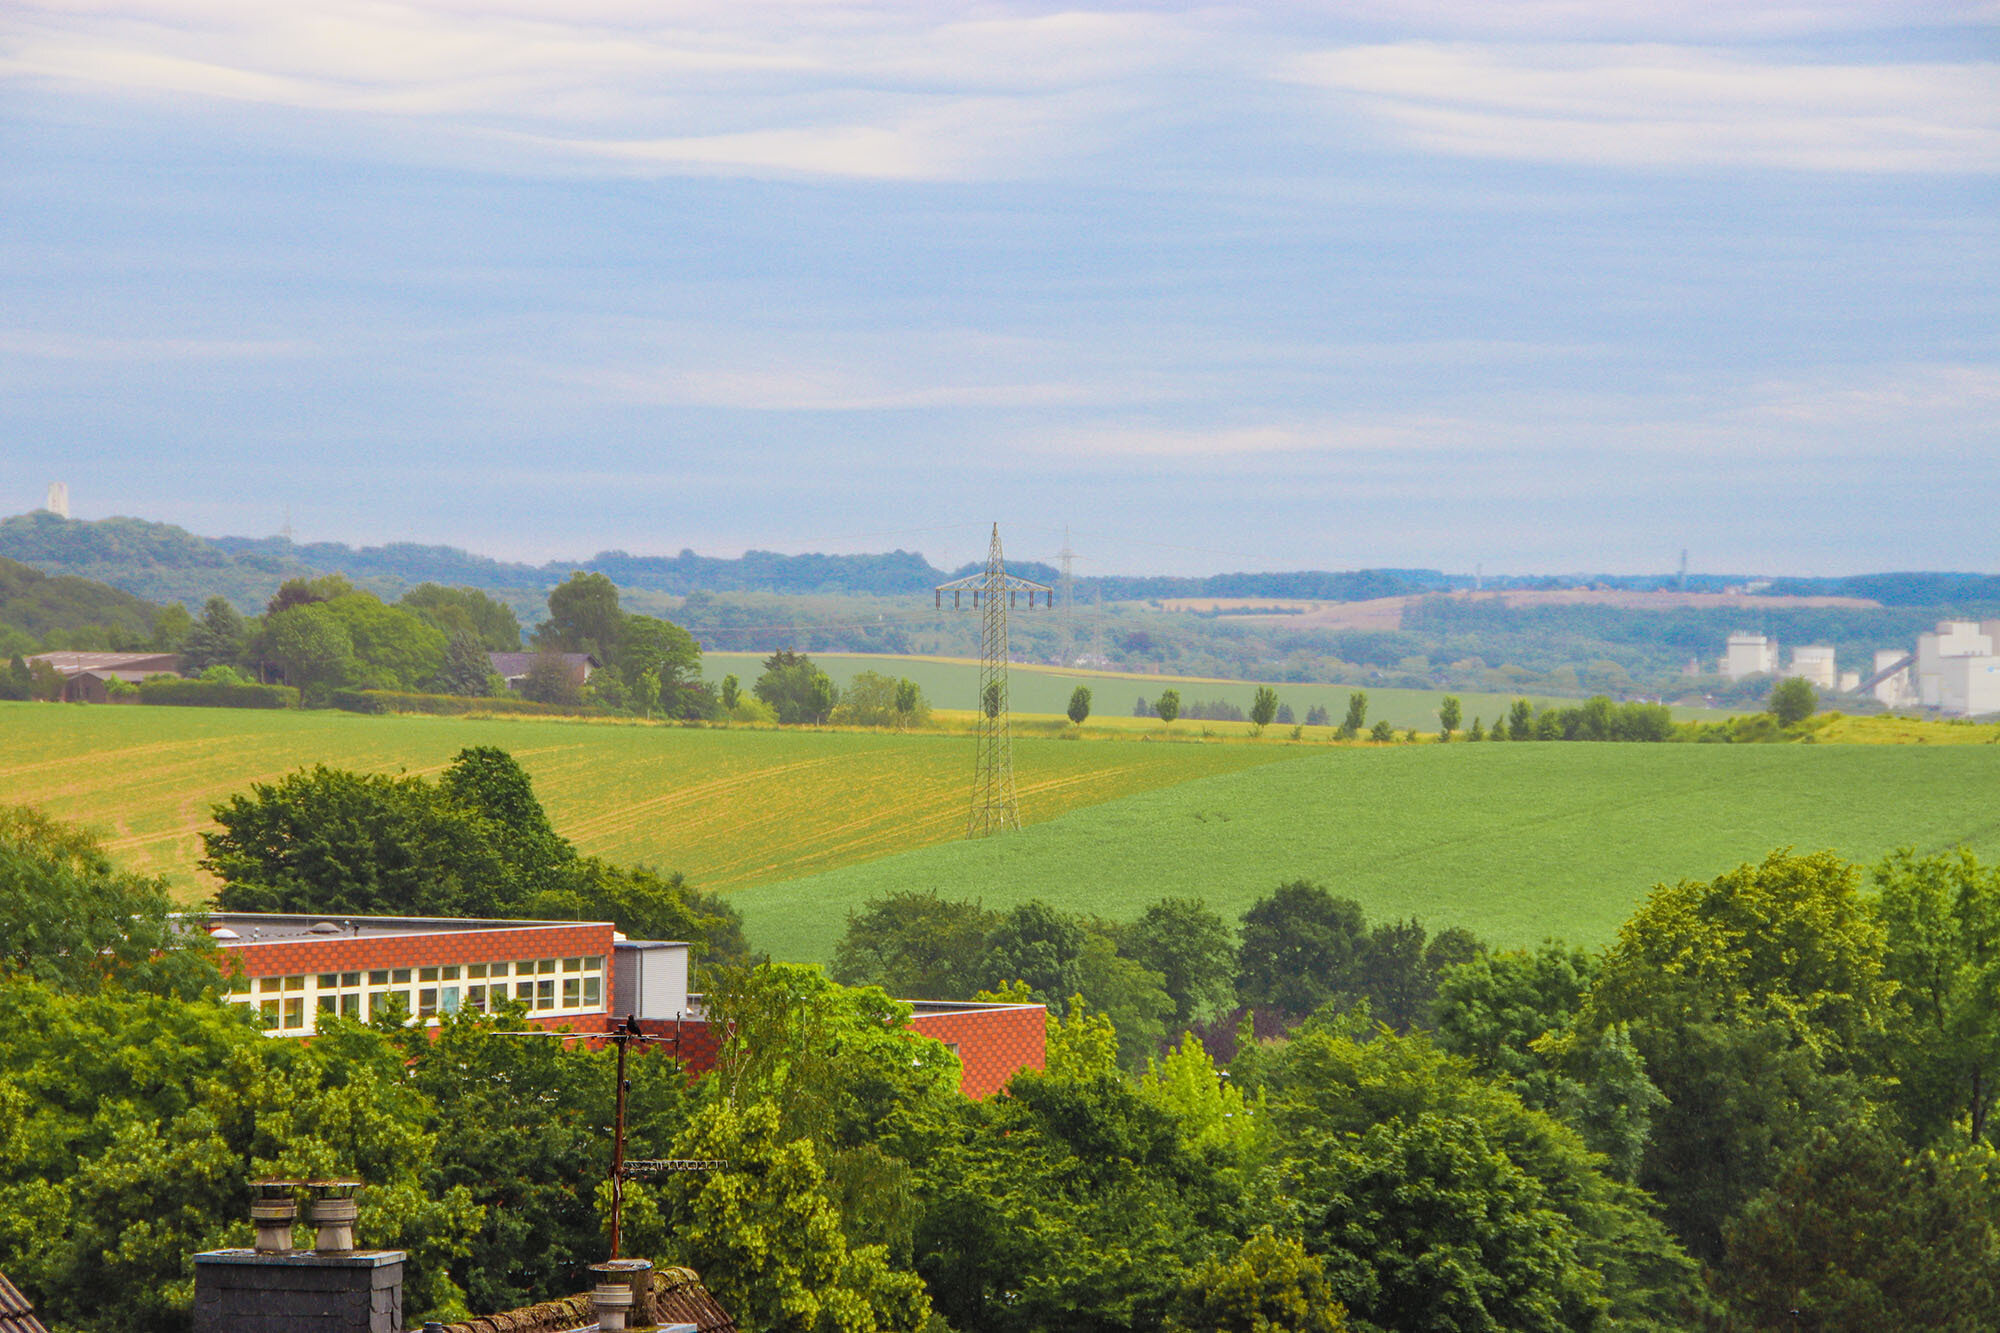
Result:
x=1667 y=106
x=845 y=90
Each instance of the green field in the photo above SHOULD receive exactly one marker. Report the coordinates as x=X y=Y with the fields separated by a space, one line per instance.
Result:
x=1516 y=842
x=954 y=683
x=726 y=807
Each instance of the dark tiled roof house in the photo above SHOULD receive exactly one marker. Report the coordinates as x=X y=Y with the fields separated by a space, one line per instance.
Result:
x=18 y=1316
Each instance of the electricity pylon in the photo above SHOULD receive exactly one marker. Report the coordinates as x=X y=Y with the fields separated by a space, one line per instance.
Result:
x=994 y=808
x=1065 y=623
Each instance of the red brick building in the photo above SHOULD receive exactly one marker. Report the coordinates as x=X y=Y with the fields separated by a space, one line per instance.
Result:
x=575 y=975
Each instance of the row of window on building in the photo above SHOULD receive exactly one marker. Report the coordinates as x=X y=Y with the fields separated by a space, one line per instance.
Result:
x=553 y=986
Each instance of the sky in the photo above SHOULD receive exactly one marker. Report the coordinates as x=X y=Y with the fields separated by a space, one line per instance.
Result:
x=1532 y=286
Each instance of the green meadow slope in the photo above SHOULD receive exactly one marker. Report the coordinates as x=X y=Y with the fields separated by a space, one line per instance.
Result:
x=1516 y=842
x=727 y=807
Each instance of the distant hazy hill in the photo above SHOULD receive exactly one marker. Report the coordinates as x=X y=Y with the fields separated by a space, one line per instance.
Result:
x=37 y=605
x=166 y=563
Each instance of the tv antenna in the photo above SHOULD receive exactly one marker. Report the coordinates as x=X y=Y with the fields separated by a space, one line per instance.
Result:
x=994 y=808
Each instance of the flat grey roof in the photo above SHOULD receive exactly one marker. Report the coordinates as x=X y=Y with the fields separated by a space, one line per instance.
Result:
x=265 y=927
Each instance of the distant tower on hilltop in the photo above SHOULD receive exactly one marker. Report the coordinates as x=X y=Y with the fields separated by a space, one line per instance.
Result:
x=58 y=499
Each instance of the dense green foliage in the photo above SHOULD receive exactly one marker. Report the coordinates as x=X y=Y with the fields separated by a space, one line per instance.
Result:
x=215 y=694
x=475 y=843
x=1794 y=1064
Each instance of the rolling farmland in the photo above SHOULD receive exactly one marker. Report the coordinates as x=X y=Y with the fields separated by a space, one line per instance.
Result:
x=1516 y=842
x=727 y=807
x=954 y=683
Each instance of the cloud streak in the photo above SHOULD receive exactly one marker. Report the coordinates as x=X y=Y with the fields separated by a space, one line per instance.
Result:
x=1664 y=106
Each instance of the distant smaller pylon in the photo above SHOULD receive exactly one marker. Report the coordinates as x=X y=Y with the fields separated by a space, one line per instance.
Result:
x=58 y=499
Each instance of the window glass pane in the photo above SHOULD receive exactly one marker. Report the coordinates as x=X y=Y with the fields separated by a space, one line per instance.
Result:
x=448 y=1000
x=267 y=1013
x=524 y=969
x=327 y=1003
x=545 y=995
x=572 y=992
x=451 y=973
x=524 y=991
x=295 y=983
x=379 y=977
x=546 y=966
x=402 y=975
x=475 y=998
x=427 y=1002
x=476 y=970
x=267 y=985
x=350 y=1006
x=295 y=1013
x=592 y=994
x=594 y=963
x=328 y=980
x=427 y=974
x=572 y=965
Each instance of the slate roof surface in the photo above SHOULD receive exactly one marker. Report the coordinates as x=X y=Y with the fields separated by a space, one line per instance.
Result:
x=678 y=1298
x=18 y=1316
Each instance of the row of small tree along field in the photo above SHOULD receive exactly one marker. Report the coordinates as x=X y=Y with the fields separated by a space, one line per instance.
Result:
x=1767 y=1104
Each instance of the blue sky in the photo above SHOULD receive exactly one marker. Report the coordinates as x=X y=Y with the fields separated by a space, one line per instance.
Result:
x=1545 y=286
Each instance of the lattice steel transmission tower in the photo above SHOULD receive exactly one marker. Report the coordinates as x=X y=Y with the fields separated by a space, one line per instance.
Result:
x=993 y=805
x=1066 y=618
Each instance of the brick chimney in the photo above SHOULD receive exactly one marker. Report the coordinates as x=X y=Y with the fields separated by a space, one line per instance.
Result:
x=274 y=1288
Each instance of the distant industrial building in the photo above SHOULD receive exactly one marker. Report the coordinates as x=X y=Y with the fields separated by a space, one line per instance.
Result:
x=1953 y=670
x=1815 y=663
x=1749 y=655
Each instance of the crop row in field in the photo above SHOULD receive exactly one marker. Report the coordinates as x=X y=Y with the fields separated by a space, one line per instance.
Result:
x=1516 y=842
x=952 y=683
x=726 y=807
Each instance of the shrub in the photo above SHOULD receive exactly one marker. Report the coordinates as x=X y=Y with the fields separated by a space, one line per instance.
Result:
x=209 y=694
x=398 y=701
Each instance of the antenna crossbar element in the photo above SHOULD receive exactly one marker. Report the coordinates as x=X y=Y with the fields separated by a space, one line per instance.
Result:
x=641 y=1167
x=994 y=591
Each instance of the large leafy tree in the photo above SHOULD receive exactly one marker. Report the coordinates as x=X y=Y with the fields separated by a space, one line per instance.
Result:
x=1854 y=1233
x=1441 y=1201
x=1940 y=917
x=649 y=644
x=1756 y=1001
x=330 y=841
x=474 y=843
x=309 y=645
x=1041 y=945
x=583 y=618
x=216 y=639
x=70 y=919
x=393 y=648
x=915 y=945
x=1190 y=946
x=492 y=624
x=129 y=1125
x=1299 y=948
x=796 y=690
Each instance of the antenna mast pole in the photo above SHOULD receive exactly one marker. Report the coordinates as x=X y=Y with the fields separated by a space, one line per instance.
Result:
x=994 y=807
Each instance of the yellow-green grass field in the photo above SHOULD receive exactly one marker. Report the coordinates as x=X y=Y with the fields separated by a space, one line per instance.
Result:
x=727 y=807
x=953 y=683
x=1517 y=841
